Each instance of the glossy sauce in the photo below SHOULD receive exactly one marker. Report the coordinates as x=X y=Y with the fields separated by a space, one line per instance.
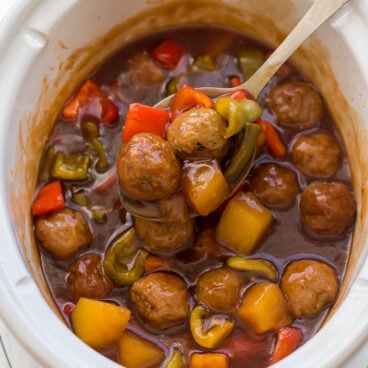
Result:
x=286 y=240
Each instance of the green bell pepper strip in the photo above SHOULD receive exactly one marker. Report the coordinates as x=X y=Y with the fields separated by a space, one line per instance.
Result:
x=220 y=328
x=256 y=265
x=206 y=62
x=98 y=214
x=244 y=152
x=123 y=262
x=74 y=167
x=81 y=199
x=250 y=59
x=172 y=85
x=237 y=113
x=92 y=134
x=46 y=167
x=176 y=360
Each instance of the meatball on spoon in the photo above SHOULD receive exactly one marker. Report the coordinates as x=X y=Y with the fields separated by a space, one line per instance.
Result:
x=318 y=13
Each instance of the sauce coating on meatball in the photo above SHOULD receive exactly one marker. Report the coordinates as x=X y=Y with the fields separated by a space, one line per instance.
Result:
x=161 y=299
x=219 y=289
x=327 y=208
x=198 y=133
x=86 y=278
x=276 y=186
x=309 y=287
x=64 y=233
x=316 y=154
x=296 y=105
x=147 y=167
x=164 y=236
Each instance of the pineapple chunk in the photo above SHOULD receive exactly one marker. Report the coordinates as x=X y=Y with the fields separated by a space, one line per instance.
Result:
x=205 y=185
x=264 y=308
x=209 y=360
x=136 y=352
x=99 y=324
x=243 y=223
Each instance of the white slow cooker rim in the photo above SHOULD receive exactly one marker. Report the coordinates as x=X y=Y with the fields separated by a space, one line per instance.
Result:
x=22 y=304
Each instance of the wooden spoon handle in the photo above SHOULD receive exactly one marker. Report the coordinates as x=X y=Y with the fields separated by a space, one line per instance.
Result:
x=318 y=13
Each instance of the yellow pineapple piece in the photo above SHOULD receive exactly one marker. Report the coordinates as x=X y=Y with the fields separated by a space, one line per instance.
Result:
x=209 y=360
x=99 y=324
x=136 y=352
x=205 y=185
x=243 y=223
x=264 y=308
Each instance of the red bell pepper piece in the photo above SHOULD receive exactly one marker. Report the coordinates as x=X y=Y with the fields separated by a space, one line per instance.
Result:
x=168 y=53
x=68 y=308
x=234 y=81
x=261 y=141
x=187 y=97
x=241 y=94
x=92 y=99
x=284 y=70
x=106 y=182
x=243 y=348
x=144 y=119
x=273 y=140
x=287 y=340
x=50 y=198
x=153 y=263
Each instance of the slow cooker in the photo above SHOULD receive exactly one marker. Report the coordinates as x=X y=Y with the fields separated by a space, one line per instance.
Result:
x=49 y=46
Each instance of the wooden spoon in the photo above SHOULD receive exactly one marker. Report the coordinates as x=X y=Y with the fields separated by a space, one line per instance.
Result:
x=317 y=14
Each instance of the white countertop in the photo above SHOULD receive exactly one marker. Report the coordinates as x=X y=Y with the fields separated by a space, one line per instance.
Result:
x=3 y=359
x=4 y=363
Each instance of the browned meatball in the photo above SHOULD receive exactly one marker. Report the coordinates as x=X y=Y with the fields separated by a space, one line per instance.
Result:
x=147 y=167
x=219 y=289
x=276 y=186
x=164 y=236
x=161 y=299
x=175 y=208
x=86 y=278
x=309 y=287
x=64 y=233
x=143 y=70
x=316 y=155
x=198 y=133
x=296 y=105
x=327 y=208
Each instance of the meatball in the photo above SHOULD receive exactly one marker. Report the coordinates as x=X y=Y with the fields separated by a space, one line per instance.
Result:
x=143 y=70
x=275 y=186
x=198 y=133
x=164 y=236
x=316 y=155
x=327 y=208
x=147 y=167
x=175 y=208
x=161 y=299
x=309 y=287
x=219 y=289
x=86 y=278
x=296 y=105
x=64 y=233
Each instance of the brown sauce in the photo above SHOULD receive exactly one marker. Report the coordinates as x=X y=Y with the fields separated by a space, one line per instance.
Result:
x=286 y=241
